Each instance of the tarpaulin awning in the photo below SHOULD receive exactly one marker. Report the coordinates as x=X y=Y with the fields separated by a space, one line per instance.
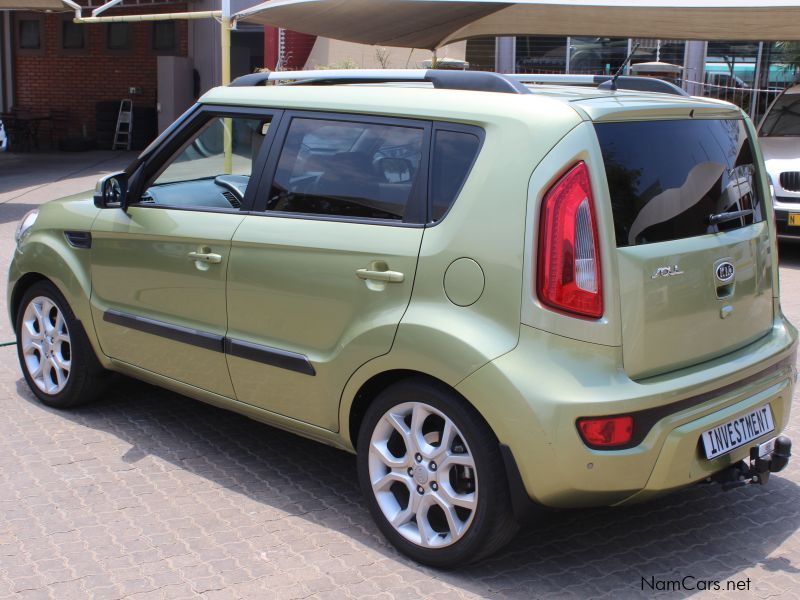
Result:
x=434 y=23
x=54 y=5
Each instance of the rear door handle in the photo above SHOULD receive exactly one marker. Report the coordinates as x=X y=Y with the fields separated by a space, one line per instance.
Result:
x=388 y=276
x=206 y=257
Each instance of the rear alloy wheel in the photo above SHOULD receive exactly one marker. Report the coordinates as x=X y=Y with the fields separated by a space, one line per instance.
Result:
x=57 y=360
x=433 y=476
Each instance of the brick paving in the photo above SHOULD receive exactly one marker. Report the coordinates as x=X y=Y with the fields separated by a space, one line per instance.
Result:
x=147 y=494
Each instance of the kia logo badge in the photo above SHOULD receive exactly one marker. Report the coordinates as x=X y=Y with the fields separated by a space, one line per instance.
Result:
x=725 y=272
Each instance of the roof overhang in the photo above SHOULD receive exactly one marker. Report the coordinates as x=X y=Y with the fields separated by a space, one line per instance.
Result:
x=434 y=23
x=46 y=5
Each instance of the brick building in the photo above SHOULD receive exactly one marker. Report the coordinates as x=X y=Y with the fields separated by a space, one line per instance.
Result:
x=79 y=73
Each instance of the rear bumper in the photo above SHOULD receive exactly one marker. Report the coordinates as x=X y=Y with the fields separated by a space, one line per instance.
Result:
x=533 y=396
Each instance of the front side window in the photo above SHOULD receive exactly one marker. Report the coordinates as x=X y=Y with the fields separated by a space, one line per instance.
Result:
x=212 y=169
x=783 y=119
x=348 y=169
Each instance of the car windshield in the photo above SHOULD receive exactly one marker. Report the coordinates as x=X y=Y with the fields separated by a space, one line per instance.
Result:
x=784 y=118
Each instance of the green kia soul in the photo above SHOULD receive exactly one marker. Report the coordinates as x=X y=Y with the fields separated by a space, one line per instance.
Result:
x=498 y=295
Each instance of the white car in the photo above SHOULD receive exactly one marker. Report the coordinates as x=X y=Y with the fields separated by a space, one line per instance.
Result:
x=779 y=135
x=3 y=138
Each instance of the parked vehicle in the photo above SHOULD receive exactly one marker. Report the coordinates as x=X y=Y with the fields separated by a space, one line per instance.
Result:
x=779 y=135
x=499 y=297
x=3 y=137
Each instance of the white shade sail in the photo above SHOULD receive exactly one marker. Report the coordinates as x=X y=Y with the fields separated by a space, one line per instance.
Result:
x=434 y=23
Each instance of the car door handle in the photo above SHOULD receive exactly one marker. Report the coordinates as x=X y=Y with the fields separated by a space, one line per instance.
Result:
x=206 y=257
x=388 y=276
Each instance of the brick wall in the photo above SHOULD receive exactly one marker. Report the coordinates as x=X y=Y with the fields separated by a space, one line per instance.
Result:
x=54 y=79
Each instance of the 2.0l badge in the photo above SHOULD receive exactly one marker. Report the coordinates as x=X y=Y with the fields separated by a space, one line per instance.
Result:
x=667 y=272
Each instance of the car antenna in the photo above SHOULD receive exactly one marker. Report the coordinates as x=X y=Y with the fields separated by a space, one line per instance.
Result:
x=622 y=67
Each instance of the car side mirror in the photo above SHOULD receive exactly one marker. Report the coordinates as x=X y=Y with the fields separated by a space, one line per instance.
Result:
x=111 y=191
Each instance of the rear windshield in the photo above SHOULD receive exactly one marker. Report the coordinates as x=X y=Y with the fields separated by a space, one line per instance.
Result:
x=670 y=180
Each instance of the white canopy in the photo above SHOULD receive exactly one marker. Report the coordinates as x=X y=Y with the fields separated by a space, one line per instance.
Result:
x=434 y=23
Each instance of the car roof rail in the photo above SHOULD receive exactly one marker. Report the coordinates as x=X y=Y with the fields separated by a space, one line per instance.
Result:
x=476 y=81
x=603 y=82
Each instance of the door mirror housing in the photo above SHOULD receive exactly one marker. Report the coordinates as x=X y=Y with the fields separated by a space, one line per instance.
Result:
x=111 y=191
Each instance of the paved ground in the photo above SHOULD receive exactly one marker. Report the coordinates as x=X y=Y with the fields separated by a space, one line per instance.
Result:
x=147 y=494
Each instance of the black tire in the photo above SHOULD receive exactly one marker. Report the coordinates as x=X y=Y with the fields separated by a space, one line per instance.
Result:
x=86 y=378
x=493 y=523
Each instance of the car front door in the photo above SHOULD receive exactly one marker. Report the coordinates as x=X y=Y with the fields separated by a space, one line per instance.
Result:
x=159 y=266
x=320 y=277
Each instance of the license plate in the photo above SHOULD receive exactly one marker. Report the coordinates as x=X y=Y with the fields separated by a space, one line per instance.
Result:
x=794 y=219
x=737 y=432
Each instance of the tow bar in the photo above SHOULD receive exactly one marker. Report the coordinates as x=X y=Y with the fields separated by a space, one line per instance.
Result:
x=769 y=457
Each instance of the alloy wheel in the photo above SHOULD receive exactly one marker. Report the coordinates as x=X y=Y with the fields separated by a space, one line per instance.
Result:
x=46 y=346
x=423 y=475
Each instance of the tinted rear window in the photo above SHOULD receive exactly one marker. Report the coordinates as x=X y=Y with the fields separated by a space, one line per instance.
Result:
x=666 y=178
x=453 y=155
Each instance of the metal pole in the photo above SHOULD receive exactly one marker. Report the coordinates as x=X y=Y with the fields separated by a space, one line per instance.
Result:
x=755 y=97
x=225 y=52
x=569 y=54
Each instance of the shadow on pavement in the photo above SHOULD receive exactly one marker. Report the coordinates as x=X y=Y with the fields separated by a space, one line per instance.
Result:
x=12 y=212
x=700 y=532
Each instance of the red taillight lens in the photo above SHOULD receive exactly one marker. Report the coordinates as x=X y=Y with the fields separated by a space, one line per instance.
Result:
x=568 y=275
x=606 y=432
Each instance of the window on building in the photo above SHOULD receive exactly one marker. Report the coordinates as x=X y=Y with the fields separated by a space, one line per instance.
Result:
x=480 y=54
x=347 y=169
x=164 y=36
x=29 y=34
x=72 y=35
x=597 y=56
x=541 y=54
x=118 y=36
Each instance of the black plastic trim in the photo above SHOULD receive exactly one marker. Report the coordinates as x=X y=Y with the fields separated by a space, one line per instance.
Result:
x=186 y=335
x=291 y=361
x=275 y=357
x=644 y=420
x=525 y=509
x=79 y=239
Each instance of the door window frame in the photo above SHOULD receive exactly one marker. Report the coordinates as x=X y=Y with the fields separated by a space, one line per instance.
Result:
x=175 y=140
x=416 y=213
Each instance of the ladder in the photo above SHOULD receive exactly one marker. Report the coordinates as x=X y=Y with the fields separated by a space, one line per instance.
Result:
x=122 y=134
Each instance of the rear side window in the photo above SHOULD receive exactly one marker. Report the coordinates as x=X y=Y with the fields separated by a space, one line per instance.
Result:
x=348 y=169
x=670 y=180
x=454 y=152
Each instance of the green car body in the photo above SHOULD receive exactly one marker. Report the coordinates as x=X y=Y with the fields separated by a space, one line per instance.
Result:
x=466 y=313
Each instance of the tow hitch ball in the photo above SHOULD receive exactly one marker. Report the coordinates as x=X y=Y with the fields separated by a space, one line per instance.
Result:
x=764 y=459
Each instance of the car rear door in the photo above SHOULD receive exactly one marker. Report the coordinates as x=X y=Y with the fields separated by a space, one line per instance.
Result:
x=320 y=277
x=693 y=242
x=159 y=266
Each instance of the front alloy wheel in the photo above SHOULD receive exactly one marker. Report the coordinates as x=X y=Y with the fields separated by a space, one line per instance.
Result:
x=46 y=345
x=56 y=357
x=432 y=474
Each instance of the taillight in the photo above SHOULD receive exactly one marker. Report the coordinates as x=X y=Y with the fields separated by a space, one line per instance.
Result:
x=606 y=432
x=568 y=277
